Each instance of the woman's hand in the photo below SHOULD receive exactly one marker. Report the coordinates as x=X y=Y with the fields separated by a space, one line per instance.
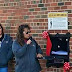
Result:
x=29 y=41
x=39 y=55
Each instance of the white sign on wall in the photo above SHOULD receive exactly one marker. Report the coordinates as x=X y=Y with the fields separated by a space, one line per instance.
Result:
x=57 y=21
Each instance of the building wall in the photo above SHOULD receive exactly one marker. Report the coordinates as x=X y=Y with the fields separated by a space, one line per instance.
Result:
x=34 y=12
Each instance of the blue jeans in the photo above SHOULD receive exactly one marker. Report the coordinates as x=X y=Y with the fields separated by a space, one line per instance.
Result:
x=5 y=69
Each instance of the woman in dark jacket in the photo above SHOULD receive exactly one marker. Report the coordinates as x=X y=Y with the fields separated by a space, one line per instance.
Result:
x=5 y=50
x=26 y=51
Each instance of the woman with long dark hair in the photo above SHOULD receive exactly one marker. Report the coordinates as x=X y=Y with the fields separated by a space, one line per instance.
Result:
x=5 y=50
x=26 y=51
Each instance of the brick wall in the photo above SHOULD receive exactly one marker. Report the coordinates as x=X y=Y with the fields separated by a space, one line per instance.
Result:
x=34 y=12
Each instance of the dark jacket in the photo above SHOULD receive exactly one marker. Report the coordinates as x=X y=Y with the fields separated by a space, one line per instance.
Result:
x=5 y=50
x=26 y=57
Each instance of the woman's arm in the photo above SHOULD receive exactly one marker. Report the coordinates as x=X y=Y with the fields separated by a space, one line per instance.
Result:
x=18 y=50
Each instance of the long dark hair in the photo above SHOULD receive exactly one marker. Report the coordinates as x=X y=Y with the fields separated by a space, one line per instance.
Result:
x=20 y=35
x=2 y=29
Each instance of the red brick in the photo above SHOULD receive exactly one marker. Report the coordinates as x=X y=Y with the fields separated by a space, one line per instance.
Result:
x=11 y=0
x=5 y=18
x=50 y=69
x=34 y=6
x=56 y=8
x=43 y=1
x=37 y=1
x=64 y=7
x=47 y=1
x=67 y=3
x=70 y=43
x=1 y=11
x=46 y=5
x=69 y=15
x=35 y=20
x=53 y=4
x=15 y=3
x=25 y=10
x=41 y=27
x=50 y=8
x=29 y=13
x=69 y=7
x=32 y=16
x=35 y=13
x=37 y=9
x=29 y=20
x=28 y=6
x=64 y=31
x=70 y=31
x=41 y=20
x=57 y=31
x=1 y=1
x=51 y=31
x=12 y=27
x=2 y=21
x=29 y=2
x=46 y=20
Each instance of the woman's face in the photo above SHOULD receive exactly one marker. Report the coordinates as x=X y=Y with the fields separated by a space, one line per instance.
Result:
x=26 y=33
x=0 y=30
